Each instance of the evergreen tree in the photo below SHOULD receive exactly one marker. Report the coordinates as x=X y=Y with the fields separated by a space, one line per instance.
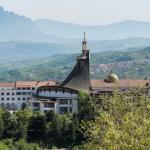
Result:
x=37 y=127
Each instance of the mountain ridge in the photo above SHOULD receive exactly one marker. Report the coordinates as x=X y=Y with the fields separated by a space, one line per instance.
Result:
x=14 y=27
x=120 y=30
x=20 y=50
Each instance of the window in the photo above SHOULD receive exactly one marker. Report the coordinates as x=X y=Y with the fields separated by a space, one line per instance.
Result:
x=36 y=104
x=8 y=93
x=2 y=93
x=7 y=98
x=13 y=98
x=33 y=88
x=70 y=101
x=49 y=105
x=63 y=110
x=18 y=98
x=12 y=93
x=64 y=101
x=70 y=110
x=28 y=93
x=18 y=93
x=23 y=98
x=2 y=98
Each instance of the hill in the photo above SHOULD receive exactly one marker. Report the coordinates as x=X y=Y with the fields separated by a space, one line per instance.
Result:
x=14 y=51
x=121 y=30
x=20 y=50
x=14 y=27
x=20 y=28
x=131 y=64
x=22 y=38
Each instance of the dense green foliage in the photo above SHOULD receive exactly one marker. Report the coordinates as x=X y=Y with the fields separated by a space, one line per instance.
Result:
x=117 y=121
x=123 y=123
x=23 y=128
x=126 y=64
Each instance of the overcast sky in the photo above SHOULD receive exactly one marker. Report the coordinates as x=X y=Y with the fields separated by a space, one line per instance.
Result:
x=81 y=11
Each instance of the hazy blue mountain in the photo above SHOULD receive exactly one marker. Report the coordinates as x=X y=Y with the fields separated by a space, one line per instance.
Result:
x=22 y=38
x=20 y=50
x=19 y=28
x=12 y=51
x=122 y=30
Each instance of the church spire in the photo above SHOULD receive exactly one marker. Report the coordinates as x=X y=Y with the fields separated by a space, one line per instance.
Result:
x=84 y=36
x=79 y=77
x=84 y=43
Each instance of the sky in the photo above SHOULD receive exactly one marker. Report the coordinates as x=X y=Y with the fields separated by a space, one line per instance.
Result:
x=87 y=12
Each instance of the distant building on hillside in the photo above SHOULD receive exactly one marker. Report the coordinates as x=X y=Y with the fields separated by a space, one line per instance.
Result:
x=63 y=97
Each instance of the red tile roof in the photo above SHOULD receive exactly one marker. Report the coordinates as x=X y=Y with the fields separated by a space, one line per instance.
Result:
x=26 y=83
x=126 y=83
x=96 y=84
x=7 y=84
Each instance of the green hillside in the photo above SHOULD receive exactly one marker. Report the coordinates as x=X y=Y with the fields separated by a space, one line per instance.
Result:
x=129 y=64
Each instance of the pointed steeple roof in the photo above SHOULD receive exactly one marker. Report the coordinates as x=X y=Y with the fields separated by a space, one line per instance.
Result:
x=79 y=77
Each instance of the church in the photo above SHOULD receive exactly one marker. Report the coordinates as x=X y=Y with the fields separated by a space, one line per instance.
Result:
x=63 y=97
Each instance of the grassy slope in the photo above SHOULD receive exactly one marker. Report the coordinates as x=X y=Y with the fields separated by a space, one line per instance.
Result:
x=130 y=64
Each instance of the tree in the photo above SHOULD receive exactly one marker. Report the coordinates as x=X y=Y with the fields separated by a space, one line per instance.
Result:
x=1 y=126
x=11 y=128
x=87 y=107
x=9 y=143
x=22 y=145
x=75 y=136
x=23 y=117
x=49 y=115
x=124 y=123
x=59 y=130
x=37 y=127
x=3 y=146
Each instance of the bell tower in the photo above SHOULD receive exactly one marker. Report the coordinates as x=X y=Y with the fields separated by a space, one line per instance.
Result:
x=79 y=77
x=84 y=43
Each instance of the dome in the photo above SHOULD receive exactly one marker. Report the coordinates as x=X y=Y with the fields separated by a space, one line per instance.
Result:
x=111 y=78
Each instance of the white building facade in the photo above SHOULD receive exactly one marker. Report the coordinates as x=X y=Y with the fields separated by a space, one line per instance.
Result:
x=15 y=95
x=19 y=95
x=55 y=98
